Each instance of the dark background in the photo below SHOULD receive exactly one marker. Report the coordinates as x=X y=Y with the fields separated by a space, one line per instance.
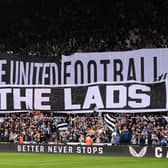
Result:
x=46 y=27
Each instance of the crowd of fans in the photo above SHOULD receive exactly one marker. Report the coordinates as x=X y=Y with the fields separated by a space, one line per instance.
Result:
x=82 y=26
x=44 y=128
x=71 y=26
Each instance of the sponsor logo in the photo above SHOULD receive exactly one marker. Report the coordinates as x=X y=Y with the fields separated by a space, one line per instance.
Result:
x=141 y=153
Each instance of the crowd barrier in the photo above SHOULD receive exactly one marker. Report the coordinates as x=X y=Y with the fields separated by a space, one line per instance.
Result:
x=109 y=150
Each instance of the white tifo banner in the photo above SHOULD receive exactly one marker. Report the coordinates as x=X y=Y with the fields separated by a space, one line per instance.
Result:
x=145 y=65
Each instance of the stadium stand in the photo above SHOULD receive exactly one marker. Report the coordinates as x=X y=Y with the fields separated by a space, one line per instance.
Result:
x=78 y=26
x=45 y=128
x=60 y=29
